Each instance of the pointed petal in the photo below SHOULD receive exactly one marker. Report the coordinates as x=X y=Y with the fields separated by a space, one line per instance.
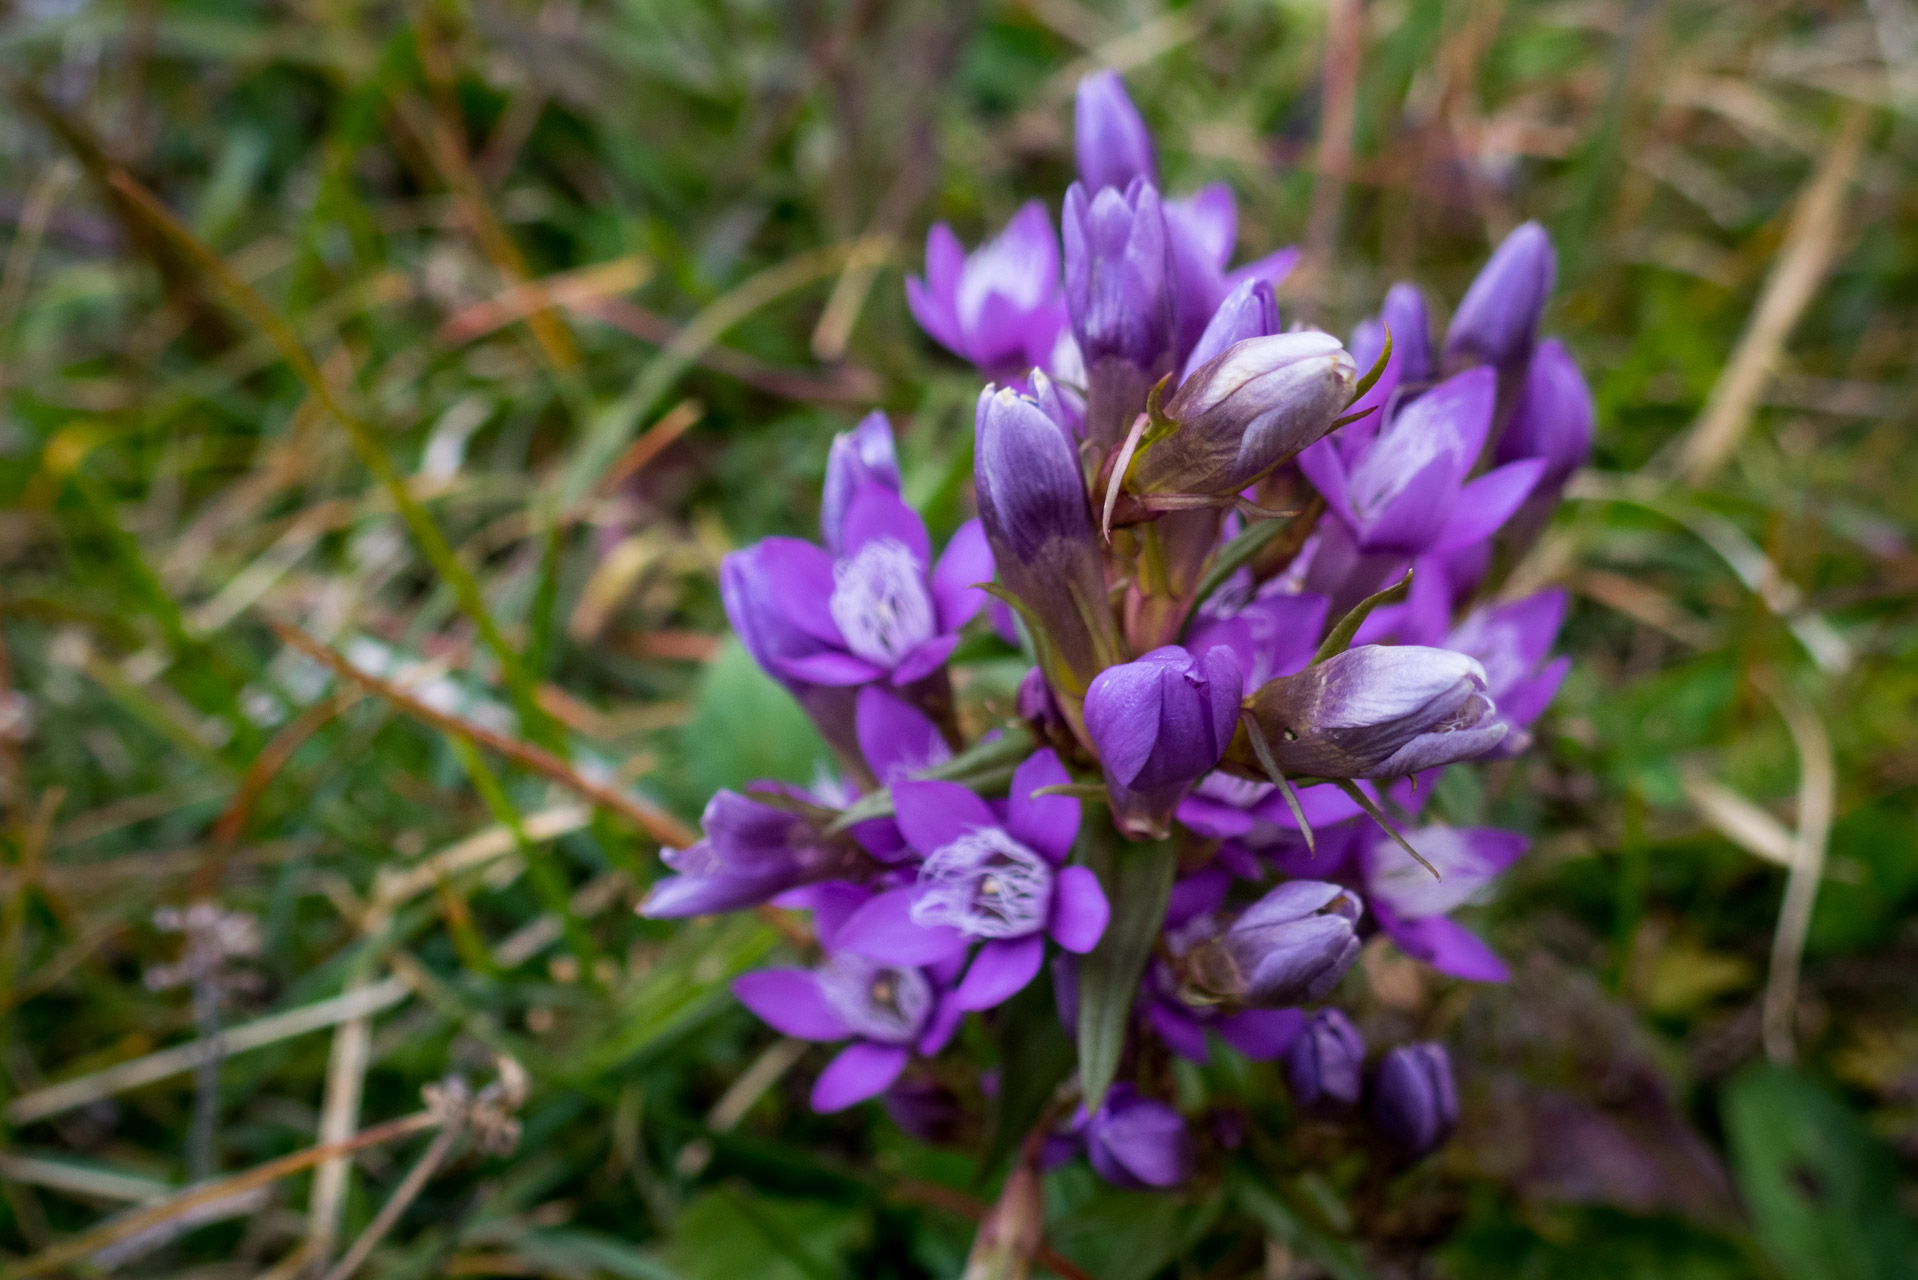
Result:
x=1080 y=911
x=933 y=814
x=862 y=1070
x=790 y=1002
x=883 y=930
x=1048 y=824
x=1000 y=971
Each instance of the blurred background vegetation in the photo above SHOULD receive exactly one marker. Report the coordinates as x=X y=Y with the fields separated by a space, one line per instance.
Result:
x=464 y=340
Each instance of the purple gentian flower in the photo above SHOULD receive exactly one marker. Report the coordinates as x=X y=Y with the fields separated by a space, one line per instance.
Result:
x=864 y=455
x=1510 y=641
x=1497 y=320
x=1552 y=418
x=1120 y=293
x=1000 y=307
x=1003 y=883
x=1290 y=946
x=1033 y=506
x=1109 y=138
x=1411 y=906
x=1134 y=1142
x=1414 y=1099
x=881 y=610
x=887 y=1011
x=1259 y=1034
x=1327 y=1061
x=1377 y=711
x=1249 y=311
x=1405 y=491
x=750 y=853
x=1160 y=724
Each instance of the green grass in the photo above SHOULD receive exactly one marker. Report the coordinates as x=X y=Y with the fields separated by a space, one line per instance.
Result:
x=423 y=496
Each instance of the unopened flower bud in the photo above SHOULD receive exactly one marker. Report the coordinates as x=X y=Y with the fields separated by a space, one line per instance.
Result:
x=1497 y=321
x=1109 y=137
x=1120 y=293
x=1290 y=946
x=1376 y=711
x=1160 y=724
x=1137 y=1143
x=1326 y=1064
x=1245 y=411
x=1414 y=1099
x=1553 y=417
x=1249 y=311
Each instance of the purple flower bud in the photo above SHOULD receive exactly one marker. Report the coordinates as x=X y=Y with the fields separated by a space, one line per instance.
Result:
x=1326 y=1064
x=925 y=1109
x=1201 y=229
x=1109 y=138
x=1404 y=313
x=1032 y=501
x=1160 y=724
x=1244 y=412
x=1292 y=945
x=1414 y=1099
x=1137 y=1143
x=1119 y=290
x=863 y=455
x=1553 y=417
x=999 y=307
x=1497 y=321
x=1060 y=403
x=1376 y=711
x=750 y=853
x=1249 y=311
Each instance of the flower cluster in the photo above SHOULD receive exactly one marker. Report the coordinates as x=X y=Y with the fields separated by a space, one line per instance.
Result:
x=1256 y=572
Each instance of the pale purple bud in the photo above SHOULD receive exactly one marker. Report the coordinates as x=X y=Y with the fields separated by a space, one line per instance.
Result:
x=1376 y=711
x=1109 y=137
x=1060 y=403
x=1497 y=321
x=1553 y=417
x=1244 y=412
x=1292 y=945
x=1249 y=311
x=1414 y=1098
x=1326 y=1064
x=1160 y=724
x=1404 y=313
x=1032 y=502
x=1137 y=1143
x=863 y=455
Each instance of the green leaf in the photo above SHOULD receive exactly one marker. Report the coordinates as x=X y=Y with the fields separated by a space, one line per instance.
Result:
x=1034 y=1056
x=744 y=726
x=1377 y=371
x=984 y=766
x=1287 y=1215
x=1339 y=639
x=727 y=1234
x=1822 y=1192
x=1137 y=879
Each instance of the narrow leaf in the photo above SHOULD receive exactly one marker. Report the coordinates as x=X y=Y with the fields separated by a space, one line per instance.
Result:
x=1137 y=879
x=1377 y=815
x=985 y=766
x=1263 y=750
x=1339 y=639
x=1377 y=371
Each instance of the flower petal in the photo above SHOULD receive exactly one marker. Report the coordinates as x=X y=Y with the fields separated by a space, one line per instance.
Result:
x=1047 y=823
x=790 y=1001
x=1080 y=911
x=966 y=561
x=884 y=930
x=933 y=814
x=862 y=1070
x=1000 y=971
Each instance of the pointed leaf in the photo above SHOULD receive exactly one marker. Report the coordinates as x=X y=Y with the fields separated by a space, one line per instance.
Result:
x=1137 y=879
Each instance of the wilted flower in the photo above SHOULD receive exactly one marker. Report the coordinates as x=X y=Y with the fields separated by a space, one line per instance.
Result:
x=1414 y=1100
x=1497 y=320
x=1326 y=1063
x=1244 y=412
x=999 y=307
x=1376 y=711
x=1291 y=946
x=1160 y=724
x=887 y=1011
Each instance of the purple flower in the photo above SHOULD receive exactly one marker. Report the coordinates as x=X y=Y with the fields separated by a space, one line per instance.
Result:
x=1003 y=883
x=1135 y=1142
x=750 y=853
x=1160 y=724
x=1510 y=642
x=1376 y=711
x=861 y=456
x=1410 y=364
x=1552 y=418
x=1290 y=946
x=1120 y=292
x=999 y=307
x=1259 y=1034
x=880 y=610
x=1414 y=1099
x=1497 y=320
x=1032 y=504
x=1249 y=311
x=887 y=1011
x=1327 y=1062
x=1244 y=412
x=1405 y=491
x=1411 y=906
x=1109 y=138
